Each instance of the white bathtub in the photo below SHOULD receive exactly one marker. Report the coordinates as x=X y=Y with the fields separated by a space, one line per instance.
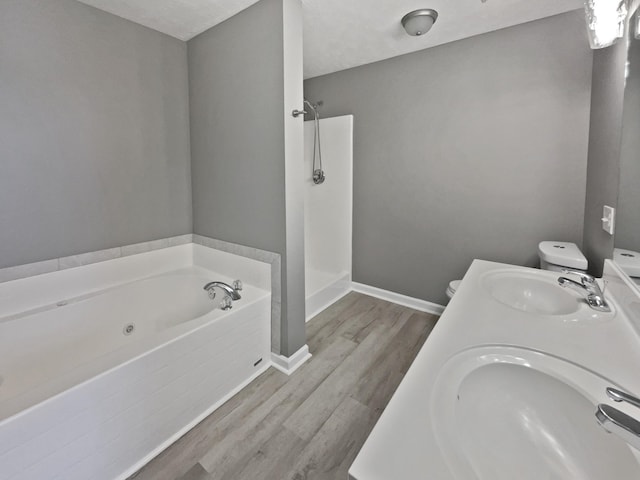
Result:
x=82 y=397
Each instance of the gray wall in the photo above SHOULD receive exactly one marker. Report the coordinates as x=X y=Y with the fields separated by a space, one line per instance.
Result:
x=237 y=129
x=475 y=149
x=94 y=132
x=603 y=175
x=236 y=78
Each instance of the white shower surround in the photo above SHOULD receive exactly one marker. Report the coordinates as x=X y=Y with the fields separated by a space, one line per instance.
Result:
x=328 y=214
x=99 y=404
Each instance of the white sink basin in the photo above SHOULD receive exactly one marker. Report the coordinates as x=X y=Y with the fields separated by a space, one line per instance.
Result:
x=532 y=293
x=501 y=413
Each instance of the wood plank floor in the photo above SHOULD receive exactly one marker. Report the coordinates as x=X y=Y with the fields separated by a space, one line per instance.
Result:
x=311 y=424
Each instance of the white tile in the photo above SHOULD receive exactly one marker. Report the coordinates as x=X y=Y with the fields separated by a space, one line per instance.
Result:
x=89 y=258
x=28 y=270
x=136 y=248
x=159 y=244
x=180 y=240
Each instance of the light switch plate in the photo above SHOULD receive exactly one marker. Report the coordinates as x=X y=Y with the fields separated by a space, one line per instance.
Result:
x=609 y=219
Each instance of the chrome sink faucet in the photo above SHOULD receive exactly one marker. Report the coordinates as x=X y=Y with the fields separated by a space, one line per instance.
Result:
x=617 y=422
x=588 y=287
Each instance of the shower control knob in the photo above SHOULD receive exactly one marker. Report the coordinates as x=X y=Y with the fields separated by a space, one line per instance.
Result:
x=237 y=285
x=226 y=303
x=318 y=177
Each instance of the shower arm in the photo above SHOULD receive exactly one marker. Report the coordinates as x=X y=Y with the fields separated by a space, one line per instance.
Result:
x=313 y=107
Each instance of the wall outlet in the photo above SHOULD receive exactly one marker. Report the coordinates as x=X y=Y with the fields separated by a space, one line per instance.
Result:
x=608 y=219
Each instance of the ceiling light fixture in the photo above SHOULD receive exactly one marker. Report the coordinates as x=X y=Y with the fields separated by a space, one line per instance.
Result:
x=419 y=22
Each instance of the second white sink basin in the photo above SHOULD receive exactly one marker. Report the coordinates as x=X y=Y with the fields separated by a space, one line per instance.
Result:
x=501 y=413
x=532 y=293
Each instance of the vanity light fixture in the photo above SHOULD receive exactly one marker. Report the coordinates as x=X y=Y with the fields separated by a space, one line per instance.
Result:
x=605 y=21
x=419 y=22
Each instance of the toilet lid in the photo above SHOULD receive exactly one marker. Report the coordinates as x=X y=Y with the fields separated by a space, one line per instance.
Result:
x=565 y=254
x=628 y=260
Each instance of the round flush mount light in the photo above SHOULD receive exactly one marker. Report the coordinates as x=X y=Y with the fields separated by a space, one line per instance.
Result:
x=419 y=22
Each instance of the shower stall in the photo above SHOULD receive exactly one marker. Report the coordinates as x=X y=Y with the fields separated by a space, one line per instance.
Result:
x=328 y=209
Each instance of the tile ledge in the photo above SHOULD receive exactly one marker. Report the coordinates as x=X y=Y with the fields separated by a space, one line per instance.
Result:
x=82 y=259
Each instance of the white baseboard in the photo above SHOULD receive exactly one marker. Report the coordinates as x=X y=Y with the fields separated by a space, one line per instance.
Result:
x=415 y=303
x=327 y=296
x=290 y=364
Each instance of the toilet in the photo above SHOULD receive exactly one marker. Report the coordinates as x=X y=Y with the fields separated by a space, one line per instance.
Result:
x=453 y=286
x=556 y=256
x=629 y=262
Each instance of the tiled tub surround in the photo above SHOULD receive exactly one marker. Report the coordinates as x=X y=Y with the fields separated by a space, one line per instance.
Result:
x=80 y=399
x=264 y=256
x=56 y=264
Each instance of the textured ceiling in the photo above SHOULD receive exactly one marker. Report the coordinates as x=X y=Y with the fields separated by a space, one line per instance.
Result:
x=340 y=34
x=183 y=19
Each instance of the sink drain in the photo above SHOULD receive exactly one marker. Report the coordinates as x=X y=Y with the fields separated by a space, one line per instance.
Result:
x=128 y=329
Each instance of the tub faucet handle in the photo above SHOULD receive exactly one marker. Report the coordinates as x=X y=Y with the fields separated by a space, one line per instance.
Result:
x=237 y=285
x=226 y=303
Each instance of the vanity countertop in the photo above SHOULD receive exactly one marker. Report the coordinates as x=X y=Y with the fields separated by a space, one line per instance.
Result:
x=403 y=444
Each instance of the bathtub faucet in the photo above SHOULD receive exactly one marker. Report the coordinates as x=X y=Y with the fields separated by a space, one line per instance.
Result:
x=232 y=291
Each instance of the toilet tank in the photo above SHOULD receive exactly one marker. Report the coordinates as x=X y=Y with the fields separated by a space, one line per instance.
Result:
x=558 y=255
